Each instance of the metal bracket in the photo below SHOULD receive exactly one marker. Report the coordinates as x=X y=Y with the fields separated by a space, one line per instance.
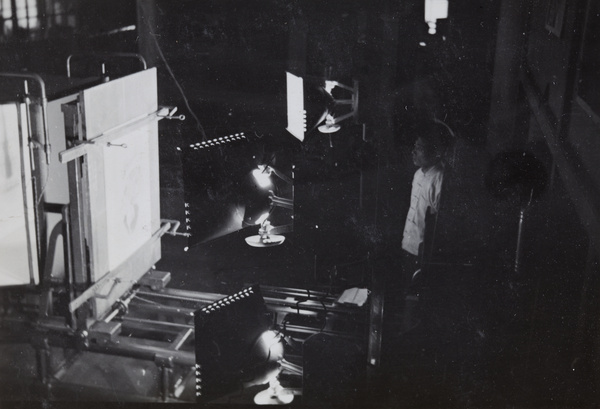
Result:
x=110 y=276
x=110 y=135
x=156 y=280
x=43 y=103
x=104 y=55
x=103 y=333
x=171 y=114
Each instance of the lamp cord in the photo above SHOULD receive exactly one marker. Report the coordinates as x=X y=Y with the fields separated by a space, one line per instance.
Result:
x=162 y=57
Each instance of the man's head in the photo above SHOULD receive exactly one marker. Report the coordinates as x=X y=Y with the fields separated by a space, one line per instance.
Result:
x=429 y=147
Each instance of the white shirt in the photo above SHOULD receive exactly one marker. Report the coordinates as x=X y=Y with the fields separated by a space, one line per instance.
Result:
x=426 y=191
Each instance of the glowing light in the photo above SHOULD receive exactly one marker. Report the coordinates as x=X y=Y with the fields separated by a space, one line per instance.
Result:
x=262 y=177
x=330 y=126
x=435 y=10
x=123 y=29
x=274 y=395
x=262 y=218
x=272 y=339
x=329 y=86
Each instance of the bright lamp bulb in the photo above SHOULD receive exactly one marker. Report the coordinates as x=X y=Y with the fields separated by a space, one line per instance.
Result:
x=435 y=10
x=263 y=179
x=271 y=342
x=329 y=86
x=262 y=218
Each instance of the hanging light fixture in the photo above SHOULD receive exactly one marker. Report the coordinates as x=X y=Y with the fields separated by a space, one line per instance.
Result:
x=434 y=11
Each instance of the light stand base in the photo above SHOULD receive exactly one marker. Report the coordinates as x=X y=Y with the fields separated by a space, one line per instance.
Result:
x=269 y=241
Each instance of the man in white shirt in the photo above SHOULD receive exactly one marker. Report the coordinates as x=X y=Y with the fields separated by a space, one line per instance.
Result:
x=425 y=194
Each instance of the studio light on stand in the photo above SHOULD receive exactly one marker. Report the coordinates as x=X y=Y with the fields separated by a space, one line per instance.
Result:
x=237 y=348
x=520 y=178
x=332 y=122
x=275 y=394
x=269 y=347
x=262 y=201
x=313 y=103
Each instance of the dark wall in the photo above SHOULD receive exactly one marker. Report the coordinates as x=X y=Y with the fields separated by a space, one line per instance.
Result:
x=555 y=123
x=585 y=114
x=461 y=65
x=558 y=64
x=548 y=54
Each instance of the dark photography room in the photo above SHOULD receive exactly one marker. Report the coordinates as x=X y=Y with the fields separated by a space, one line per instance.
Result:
x=311 y=204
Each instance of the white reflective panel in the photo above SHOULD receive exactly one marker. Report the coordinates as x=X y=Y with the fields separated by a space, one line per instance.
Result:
x=295 y=105
x=18 y=256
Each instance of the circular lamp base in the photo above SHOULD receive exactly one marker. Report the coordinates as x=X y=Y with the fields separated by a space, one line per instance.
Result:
x=268 y=397
x=274 y=395
x=329 y=128
x=272 y=240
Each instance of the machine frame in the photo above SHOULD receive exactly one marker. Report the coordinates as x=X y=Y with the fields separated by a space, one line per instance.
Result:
x=70 y=315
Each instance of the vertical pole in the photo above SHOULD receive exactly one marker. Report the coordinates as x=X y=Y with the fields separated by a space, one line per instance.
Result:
x=68 y=256
x=510 y=46
x=165 y=367
x=13 y=15
x=519 y=250
x=42 y=349
x=147 y=23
